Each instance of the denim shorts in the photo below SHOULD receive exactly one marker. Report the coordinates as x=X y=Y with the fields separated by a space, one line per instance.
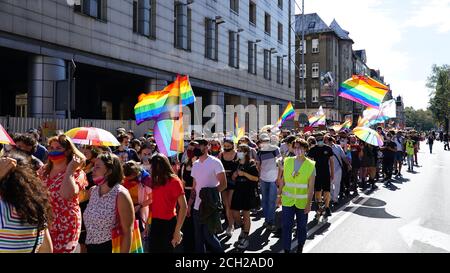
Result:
x=399 y=156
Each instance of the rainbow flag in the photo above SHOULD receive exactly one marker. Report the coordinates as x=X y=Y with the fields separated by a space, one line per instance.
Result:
x=151 y=105
x=318 y=119
x=239 y=131
x=363 y=90
x=347 y=124
x=289 y=113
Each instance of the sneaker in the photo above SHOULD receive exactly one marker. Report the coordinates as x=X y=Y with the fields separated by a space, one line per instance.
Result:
x=243 y=243
x=328 y=212
x=300 y=249
x=229 y=231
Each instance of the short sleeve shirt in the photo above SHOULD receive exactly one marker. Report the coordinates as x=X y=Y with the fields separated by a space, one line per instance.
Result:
x=322 y=156
x=165 y=199
x=205 y=175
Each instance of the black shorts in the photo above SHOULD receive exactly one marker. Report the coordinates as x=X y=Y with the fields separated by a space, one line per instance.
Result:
x=245 y=197
x=322 y=183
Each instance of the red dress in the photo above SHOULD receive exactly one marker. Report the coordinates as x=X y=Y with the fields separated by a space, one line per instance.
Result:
x=66 y=226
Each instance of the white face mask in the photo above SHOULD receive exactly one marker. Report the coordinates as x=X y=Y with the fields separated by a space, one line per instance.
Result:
x=241 y=155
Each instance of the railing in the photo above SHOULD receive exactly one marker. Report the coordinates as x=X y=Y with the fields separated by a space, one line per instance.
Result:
x=21 y=125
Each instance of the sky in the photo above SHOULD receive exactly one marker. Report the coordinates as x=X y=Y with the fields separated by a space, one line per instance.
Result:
x=402 y=38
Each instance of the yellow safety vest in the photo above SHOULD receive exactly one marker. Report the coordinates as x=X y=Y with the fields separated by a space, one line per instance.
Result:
x=409 y=147
x=295 y=190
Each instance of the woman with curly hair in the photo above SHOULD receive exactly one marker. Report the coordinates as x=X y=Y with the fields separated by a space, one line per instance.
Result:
x=25 y=211
x=64 y=178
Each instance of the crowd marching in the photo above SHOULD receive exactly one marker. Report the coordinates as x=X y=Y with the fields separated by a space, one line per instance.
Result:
x=64 y=198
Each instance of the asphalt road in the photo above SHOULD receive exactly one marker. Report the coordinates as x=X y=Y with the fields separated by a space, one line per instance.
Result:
x=412 y=215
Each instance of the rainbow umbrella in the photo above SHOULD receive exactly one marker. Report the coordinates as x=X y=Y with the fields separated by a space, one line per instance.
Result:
x=4 y=137
x=368 y=135
x=92 y=136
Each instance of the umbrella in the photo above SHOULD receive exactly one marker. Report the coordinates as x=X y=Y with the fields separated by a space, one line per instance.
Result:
x=368 y=135
x=4 y=137
x=92 y=136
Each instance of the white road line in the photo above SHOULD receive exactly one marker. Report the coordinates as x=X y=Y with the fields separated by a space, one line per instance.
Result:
x=341 y=217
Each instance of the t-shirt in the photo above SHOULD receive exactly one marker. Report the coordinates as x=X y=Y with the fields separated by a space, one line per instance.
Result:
x=267 y=158
x=388 y=154
x=355 y=150
x=399 y=143
x=322 y=156
x=205 y=175
x=249 y=168
x=165 y=198
x=339 y=159
x=41 y=153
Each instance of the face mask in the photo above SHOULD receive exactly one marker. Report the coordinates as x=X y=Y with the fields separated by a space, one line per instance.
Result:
x=145 y=159
x=228 y=150
x=240 y=155
x=25 y=152
x=198 y=152
x=99 y=180
x=299 y=152
x=215 y=148
x=190 y=154
x=124 y=146
x=320 y=143
x=56 y=156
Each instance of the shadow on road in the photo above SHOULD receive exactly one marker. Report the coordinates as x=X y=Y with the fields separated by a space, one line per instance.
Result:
x=372 y=212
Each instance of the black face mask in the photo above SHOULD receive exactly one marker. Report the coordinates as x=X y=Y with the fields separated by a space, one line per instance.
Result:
x=228 y=150
x=198 y=152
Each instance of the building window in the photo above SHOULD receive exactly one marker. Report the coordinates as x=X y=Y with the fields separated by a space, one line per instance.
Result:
x=315 y=95
x=233 y=49
x=267 y=64
x=302 y=46
x=280 y=32
x=93 y=8
x=252 y=13
x=182 y=29
x=267 y=23
x=144 y=17
x=280 y=70
x=302 y=72
x=280 y=4
x=302 y=95
x=212 y=37
x=252 y=57
x=315 y=46
x=315 y=70
x=234 y=5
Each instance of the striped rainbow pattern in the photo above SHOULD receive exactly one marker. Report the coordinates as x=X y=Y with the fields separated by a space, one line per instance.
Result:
x=363 y=90
x=136 y=241
x=16 y=237
x=4 y=137
x=152 y=105
x=289 y=113
x=163 y=131
x=317 y=120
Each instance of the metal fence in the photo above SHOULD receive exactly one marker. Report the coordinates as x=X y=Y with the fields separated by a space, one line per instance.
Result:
x=21 y=125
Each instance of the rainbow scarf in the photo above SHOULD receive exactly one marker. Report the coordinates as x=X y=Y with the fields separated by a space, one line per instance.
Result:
x=56 y=156
x=152 y=105
x=289 y=113
x=363 y=90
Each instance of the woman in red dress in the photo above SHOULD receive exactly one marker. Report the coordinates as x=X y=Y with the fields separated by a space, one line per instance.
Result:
x=64 y=178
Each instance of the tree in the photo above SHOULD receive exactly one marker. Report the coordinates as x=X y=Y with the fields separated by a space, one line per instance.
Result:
x=421 y=120
x=440 y=97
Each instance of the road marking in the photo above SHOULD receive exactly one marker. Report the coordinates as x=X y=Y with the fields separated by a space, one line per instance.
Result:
x=415 y=232
x=341 y=217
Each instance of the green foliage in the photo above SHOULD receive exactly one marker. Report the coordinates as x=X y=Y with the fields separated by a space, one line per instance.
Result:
x=440 y=98
x=421 y=120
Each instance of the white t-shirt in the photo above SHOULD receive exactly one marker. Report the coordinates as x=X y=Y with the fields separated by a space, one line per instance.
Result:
x=268 y=157
x=399 y=143
x=205 y=175
x=339 y=156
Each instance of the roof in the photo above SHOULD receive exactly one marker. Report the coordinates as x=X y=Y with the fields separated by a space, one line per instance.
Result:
x=313 y=24
x=342 y=33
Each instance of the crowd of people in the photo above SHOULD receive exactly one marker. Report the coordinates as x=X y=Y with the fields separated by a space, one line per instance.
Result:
x=64 y=198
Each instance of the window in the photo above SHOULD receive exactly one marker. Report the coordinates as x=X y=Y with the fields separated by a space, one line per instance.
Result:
x=315 y=95
x=302 y=72
x=280 y=4
x=144 y=17
x=252 y=13
x=280 y=32
x=267 y=64
x=211 y=43
x=233 y=49
x=315 y=70
x=311 y=25
x=315 y=45
x=182 y=29
x=92 y=8
x=280 y=70
x=302 y=46
x=234 y=5
x=267 y=23
x=252 y=57
x=302 y=95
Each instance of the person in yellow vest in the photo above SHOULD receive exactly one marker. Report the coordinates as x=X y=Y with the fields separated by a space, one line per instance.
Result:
x=409 y=145
x=296 y=192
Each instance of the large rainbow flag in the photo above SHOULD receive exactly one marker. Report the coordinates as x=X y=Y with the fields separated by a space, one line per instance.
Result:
x=152 y=105
x=363 y=90
x=239 y=131
x=317 y=119
x=289 y=113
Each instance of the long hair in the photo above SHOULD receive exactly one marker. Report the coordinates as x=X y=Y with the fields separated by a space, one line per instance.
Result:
x=69 y=148
x=112 y=163
x=22 y=189
x=161 y=170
